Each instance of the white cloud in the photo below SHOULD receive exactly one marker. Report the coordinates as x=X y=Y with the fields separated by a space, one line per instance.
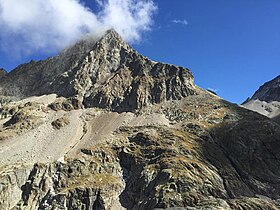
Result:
x=128 y=17
x=183 y=22
x=30 y=26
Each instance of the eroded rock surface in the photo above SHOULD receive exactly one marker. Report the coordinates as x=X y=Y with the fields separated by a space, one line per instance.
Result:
x=125 y=132
x=207 y=153
x=107 y=74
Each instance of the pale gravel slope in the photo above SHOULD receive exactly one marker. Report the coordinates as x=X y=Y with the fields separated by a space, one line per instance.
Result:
x=269 y=109
x=87 y=127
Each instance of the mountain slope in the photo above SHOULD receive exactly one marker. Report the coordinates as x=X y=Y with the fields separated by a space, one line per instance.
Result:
x=35 y=78
x=266 y=100
x=123 y=132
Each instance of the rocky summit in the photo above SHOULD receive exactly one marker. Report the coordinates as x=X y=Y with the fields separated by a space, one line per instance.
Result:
x=107 y=74
x=102 y=127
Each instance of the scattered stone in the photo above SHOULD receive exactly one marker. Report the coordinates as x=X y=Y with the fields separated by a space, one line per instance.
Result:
x=60 y=122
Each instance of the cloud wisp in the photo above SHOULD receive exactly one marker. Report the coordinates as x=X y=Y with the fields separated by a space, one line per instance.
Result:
x=31 y=26
x=182 y=22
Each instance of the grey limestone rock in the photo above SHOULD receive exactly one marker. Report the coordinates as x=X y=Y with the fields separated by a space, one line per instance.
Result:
x=107 y=74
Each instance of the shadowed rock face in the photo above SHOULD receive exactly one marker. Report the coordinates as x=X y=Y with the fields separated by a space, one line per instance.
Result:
x=107 y=74
x=268 y=92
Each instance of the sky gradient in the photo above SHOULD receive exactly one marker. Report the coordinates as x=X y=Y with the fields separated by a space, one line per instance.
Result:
x=231 y=46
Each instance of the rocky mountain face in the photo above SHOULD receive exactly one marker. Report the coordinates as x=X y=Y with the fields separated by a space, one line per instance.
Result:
x=270 y=91
x=106 y=74
x=107 y=128
x=266 y=100
x=36 y=78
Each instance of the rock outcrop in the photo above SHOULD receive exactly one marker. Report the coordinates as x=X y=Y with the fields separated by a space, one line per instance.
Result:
x=124 y=132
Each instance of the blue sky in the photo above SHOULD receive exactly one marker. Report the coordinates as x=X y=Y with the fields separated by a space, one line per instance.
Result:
x=231 y=46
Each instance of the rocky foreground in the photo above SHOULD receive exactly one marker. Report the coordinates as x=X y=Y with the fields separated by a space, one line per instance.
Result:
x=103 y=127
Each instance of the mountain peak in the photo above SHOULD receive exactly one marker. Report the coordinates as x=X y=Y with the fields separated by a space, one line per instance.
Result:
x=113 y=33
x=111 y=36
x=269 y=91
x=107 y=73
x=87 y=43
x=266 y=100
x=112 y=40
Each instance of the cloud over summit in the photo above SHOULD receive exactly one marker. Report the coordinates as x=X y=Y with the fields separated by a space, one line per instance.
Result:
x=29 y=26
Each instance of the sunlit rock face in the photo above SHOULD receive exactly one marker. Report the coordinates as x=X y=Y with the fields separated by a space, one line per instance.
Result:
x=102 y=127
x=106 y=74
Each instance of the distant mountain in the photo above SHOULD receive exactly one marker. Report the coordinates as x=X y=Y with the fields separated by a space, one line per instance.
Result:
x=269 y=91
x=101 y=127
x=266 y=100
